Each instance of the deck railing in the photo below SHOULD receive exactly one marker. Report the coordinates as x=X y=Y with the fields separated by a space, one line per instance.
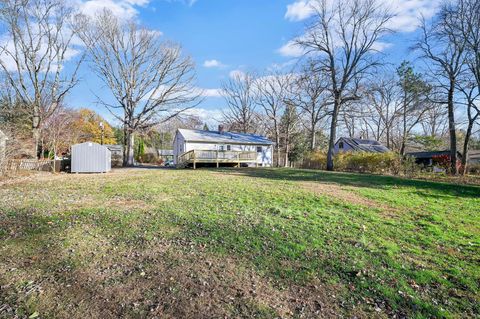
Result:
x=214 y=156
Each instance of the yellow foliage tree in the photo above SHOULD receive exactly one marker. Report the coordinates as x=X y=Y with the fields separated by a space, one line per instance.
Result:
x=89 y=128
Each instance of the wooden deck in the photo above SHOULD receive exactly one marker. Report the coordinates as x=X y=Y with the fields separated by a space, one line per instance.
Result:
x=195 y=157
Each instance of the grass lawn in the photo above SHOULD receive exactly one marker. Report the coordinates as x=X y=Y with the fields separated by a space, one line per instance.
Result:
x=261 y=243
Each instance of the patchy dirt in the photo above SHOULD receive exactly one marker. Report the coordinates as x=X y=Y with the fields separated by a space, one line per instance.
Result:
x=163 y=280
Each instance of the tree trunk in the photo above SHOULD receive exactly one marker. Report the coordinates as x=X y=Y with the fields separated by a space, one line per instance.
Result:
x=465 y=148
x=468 y=134
x=333 y=134
x=128 y=158
x=451 y=127
x=287 y=146
x=36 y=132
x=404 y=133
x=277 y=143
x=312 y=138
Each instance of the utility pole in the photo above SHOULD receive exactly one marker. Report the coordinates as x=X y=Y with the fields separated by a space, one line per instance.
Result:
x=102 y=128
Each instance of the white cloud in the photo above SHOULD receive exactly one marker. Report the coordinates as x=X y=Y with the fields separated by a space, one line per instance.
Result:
x=210 y=116
x=407 y=12
x=213 y=64
x=299 y=10
x=381 y=46
x=236 y=74
x=210 y=92
x=124 y=9
x=406 y=19
x=291 y=49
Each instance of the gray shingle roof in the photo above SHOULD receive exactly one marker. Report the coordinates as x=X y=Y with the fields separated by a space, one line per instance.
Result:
x=365 y=145
x=225 y=137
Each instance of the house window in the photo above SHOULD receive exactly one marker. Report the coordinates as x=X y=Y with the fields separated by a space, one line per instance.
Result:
x=259 y=149
x=340 y=145
x=229 y=147
x=221 y=148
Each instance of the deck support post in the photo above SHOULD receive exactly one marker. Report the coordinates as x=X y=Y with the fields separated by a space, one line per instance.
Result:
x=194 y=161
x=238 y=159
x=218 y=165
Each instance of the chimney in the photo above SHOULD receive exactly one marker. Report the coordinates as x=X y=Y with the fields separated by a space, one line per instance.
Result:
x=221 y=129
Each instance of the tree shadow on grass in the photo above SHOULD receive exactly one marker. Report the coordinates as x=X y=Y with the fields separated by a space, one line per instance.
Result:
x=359 y=180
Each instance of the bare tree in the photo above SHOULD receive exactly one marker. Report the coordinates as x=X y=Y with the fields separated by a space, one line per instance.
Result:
x=443 y=46
x=39 y=44
x=272 y=96
x=342 y=37
x=310 y=93
x=471 y=98
x=435 y=120
x=57 y=132
x=240 y=94
x=381 y=109
x=289 y=125
x=413 y=100
x=150 y=80
x=468 y=12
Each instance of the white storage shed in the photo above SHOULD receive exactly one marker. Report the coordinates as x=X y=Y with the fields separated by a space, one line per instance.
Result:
x=90 y=157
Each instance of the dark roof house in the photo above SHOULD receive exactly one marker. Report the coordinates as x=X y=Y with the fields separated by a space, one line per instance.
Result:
x=474 y=157
x=426 y=157
x=347 y=144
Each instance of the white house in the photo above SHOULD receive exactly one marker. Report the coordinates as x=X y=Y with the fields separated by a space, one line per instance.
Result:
x=221 y=147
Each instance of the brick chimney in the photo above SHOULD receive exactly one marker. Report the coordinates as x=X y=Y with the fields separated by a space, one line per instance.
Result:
x=221 y=129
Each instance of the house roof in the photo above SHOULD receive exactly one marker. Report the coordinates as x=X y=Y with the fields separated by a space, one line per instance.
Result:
x=365 y=145
x=225 y=137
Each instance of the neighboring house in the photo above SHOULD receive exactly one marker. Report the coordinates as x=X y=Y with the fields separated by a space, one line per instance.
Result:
x=117 y=154
x=220 y=147
x=474 y=157
x=165 y=155
x=432 y=158
x=346 y=144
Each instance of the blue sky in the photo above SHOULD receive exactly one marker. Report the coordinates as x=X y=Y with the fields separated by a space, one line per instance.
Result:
x=224 y=36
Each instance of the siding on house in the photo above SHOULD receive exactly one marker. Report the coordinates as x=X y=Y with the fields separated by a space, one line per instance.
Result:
x=188 y=140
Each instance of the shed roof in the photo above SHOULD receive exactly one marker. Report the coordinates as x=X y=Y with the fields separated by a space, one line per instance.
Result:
x=225 y=137
x=363 y=145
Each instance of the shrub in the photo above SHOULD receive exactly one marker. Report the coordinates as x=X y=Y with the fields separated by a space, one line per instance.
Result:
x=365 y=162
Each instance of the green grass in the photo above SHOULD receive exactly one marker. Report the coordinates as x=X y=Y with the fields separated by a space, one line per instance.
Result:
x=274 y=245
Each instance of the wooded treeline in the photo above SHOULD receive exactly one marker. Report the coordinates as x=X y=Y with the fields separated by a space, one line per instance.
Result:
x=344 y=86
